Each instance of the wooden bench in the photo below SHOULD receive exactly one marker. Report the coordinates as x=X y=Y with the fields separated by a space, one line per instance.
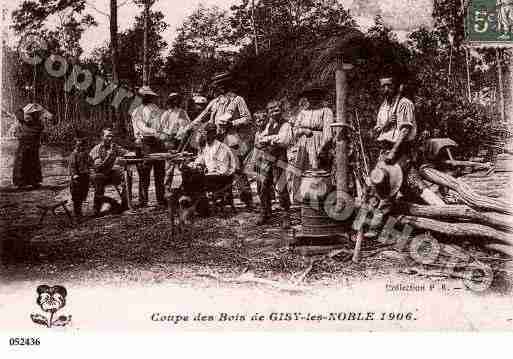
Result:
x=53 y=207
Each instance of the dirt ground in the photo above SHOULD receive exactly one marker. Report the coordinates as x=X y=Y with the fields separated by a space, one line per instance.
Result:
x=138 y=249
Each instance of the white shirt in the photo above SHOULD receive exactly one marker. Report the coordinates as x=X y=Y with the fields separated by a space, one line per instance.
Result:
x=146 y=120
x=405 y=114
x=218 y=158
x=173 y=121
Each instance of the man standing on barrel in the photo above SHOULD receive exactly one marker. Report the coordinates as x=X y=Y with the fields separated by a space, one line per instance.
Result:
x=229 y=112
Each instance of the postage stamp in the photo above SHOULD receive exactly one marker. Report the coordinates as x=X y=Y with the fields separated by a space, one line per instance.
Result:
x=489 y=22
x=340 y=165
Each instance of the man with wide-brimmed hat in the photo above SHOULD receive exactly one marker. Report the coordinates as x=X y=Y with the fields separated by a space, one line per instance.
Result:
x=230 y=113
x=146 y=125
x=27 y=164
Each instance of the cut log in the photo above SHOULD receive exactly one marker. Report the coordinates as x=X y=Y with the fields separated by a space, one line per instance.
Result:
x=466 y=193
x=458 y=229
x=504 y=249
x=476 y=165
x=461 y=213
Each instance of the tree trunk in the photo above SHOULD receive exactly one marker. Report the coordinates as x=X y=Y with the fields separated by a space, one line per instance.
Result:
x=145 y=45
x=464 y=230
x=461 y=213
x=114 y=118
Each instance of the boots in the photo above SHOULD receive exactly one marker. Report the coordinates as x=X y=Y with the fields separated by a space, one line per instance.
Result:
x=77 y=210
x=264 y=217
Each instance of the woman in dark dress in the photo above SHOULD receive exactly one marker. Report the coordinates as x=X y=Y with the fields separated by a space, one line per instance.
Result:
x=27 y=165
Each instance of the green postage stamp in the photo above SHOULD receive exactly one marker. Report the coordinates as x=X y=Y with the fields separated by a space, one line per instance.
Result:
x=489 y=22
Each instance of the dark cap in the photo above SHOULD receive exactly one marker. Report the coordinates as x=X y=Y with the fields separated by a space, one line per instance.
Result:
x=221 y=78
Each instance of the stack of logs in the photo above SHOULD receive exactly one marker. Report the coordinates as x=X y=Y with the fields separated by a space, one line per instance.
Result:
x=479 y=216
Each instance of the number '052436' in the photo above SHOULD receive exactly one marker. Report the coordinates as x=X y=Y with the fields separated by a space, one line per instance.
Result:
x=24 y=341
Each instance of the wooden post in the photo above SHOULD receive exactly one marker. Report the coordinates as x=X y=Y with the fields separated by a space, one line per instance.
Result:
x=341 y=139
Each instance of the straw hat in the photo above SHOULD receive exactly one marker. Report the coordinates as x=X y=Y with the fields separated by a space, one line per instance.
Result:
x=199 y=100
x=387 y=179
x=146 y=91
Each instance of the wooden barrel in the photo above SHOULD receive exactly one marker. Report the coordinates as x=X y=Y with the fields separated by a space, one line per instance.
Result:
x=315 y=187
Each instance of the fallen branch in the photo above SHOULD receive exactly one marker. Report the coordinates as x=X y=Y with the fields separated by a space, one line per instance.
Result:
x=458 y=229
x=250 y=278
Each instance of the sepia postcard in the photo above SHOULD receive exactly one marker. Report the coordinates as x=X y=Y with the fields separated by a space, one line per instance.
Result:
x=255 y=165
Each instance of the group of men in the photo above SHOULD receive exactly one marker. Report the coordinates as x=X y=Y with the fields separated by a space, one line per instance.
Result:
x=222 y=124
x=226 y=139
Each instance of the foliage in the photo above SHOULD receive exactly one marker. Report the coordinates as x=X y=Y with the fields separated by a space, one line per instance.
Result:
x=130 y=51
x=202 y=48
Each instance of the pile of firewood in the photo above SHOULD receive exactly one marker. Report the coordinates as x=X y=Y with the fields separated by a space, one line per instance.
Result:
x=490 y=220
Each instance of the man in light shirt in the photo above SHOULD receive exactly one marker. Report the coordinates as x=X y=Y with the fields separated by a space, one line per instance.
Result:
x=212 y=171
x=395 y=132
x=146 y=125
x=274 y=140
x=173 y=121
x=216 y=157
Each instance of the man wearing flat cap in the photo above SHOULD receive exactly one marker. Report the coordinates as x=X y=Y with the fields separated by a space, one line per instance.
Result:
x=146 y=125
x=230 y=113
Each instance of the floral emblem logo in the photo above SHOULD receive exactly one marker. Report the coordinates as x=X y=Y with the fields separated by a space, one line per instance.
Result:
x=51 y=300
